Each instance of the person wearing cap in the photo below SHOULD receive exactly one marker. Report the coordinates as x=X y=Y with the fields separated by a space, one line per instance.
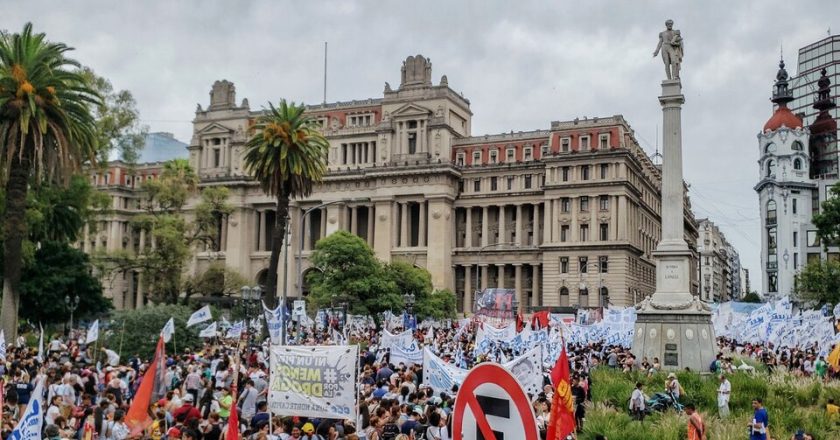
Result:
x=187 y=410
x=308 y=430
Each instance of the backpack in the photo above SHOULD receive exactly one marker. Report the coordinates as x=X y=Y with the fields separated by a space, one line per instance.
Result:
x=713 y=366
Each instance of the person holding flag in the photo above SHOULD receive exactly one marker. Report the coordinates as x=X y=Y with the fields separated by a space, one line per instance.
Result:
x=562 y=419
x=92 y=333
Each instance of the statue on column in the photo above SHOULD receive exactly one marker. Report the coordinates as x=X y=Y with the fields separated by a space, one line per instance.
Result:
x=671 y=45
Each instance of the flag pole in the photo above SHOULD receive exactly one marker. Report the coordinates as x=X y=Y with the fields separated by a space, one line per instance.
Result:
x=122 y=335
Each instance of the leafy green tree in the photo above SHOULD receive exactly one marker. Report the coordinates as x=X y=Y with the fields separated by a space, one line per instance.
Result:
x=136 y=332
x=819 y=282
x=118 y=125
x=418 y=282
x=176 y=237
x=217 y=280
x=60 y=270
x=47 y=129
x=751 y=297
x=828 y=219
x=348 y=272
x=287 y=154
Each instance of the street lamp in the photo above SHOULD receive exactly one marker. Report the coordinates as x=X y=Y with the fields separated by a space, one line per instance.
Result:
x=71 y=306
x=250 y=296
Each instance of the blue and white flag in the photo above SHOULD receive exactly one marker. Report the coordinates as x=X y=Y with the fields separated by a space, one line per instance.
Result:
x=30 y=424
x=200 y=315
x=407 y=355
x=274 y=320
x=2 y=346
x=92 y=333
x=209 y=331
x=235 y=331
x=168 y=330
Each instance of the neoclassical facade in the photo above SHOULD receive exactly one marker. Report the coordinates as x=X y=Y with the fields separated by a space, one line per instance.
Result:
x=566 y=216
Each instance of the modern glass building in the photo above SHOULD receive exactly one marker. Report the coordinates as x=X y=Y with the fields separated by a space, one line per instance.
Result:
x=824 y=54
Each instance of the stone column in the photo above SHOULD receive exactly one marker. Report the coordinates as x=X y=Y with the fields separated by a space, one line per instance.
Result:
x=535 y=219
x=439 y=245
x=404 y=225
x=502 y=229
x=383 y=233
x=323 y=231
x=517 y=280
x=421 y=230
x=354 y=220
x=500 y=276
x=485 y=226
x=519 y=240
x=613 y=218
x=138 y=300
x=535 y=285
x=371 y=218
x=484 y=275
x=555 y=225
x=263 y=235
x=467 y=289
x=623 y=218
x=672 y=173
x=142 y=240
x=468 y=238
x=548 y=237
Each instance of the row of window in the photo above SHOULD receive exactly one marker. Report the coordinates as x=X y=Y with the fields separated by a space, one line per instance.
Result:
x=583 y=265
x=603 y=232
x=770 y=166
x=528 y=152
x=527 y=182
x=795 y=146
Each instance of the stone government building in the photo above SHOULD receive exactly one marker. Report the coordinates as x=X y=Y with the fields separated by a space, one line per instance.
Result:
x=567 y=216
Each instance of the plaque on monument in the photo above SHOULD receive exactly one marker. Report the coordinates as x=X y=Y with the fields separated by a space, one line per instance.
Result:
x=671 y=347
x=671 y=359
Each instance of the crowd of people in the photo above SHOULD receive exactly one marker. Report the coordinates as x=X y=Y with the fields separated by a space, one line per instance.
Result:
x=87 y=394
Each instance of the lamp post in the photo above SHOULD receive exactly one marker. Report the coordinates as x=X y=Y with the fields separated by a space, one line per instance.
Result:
x=71 y=305
x=250 y=296
x=408 y=299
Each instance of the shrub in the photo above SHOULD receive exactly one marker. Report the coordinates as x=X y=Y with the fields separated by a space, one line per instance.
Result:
x=136 y=332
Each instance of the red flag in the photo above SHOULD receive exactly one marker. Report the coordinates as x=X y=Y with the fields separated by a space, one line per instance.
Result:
x=233 y=421
x=138 y=417
x=562 y=420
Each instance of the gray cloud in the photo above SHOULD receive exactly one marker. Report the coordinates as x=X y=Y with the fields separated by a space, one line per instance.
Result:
x=522 y=64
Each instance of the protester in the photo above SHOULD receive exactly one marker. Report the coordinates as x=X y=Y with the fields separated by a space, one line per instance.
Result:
x=637 y=403
x=760 y=423
x=696 y=428
x=723 y=395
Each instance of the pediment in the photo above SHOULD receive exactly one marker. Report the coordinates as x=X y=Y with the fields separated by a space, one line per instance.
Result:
x=410 y=110
x=215 y=128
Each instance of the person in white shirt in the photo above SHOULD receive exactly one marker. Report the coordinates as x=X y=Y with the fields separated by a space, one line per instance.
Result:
x=637 y=403
x=54 y=410
x=724 y=391
x=672 y=386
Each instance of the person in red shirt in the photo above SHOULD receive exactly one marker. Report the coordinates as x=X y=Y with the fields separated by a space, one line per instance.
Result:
x=187 y=411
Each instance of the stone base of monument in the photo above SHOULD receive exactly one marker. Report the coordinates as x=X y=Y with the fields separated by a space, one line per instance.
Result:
x=679 y=338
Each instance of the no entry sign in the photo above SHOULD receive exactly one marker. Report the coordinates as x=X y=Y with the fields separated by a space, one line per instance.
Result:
x=492 y=405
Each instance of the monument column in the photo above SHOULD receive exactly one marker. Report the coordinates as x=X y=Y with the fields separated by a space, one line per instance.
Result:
x=672 y=324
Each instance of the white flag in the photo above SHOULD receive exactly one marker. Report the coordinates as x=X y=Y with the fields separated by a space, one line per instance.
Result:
x=2 y=346
x=32 y=420
x=235 y=331
x=168 y=330
x=93 y=332
x=200 y=315
x=209 y=331
x=40 y=356
x=113 y=357
x=430 y=335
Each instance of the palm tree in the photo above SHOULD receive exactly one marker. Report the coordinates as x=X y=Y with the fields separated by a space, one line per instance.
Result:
x=46 y=133
x=286 y=154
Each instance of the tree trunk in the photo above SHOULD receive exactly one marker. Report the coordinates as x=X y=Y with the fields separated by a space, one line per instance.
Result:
x=277 y=241
x=15 y=230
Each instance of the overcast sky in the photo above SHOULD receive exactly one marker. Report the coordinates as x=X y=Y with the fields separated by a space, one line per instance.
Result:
x=521 y=64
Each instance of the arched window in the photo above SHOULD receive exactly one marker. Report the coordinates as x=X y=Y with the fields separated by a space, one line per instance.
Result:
x=771 y=168
x=771 y=212
x=564 y=297
x=797 y=164
x=604 y=297
x=770 y=148
x=796 y=146
x=583 y=297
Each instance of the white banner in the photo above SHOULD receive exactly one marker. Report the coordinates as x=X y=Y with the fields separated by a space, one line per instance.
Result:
x=441 y=376
x=32 y=421
x=274 y=323
x=2 y=346
x=168 y=330
x=390 y=340
x=298 y=308
x=407 y=355
x=235 y=331
x=200 y=315
x=314 y=381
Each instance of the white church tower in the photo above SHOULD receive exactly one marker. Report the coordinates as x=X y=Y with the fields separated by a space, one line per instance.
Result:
x=784 y=191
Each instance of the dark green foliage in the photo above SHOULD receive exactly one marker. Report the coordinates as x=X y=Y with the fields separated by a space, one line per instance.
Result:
x=751 y=297
x=60 y=270
x=828 y=219
x=819 y=282
x=136 y=331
